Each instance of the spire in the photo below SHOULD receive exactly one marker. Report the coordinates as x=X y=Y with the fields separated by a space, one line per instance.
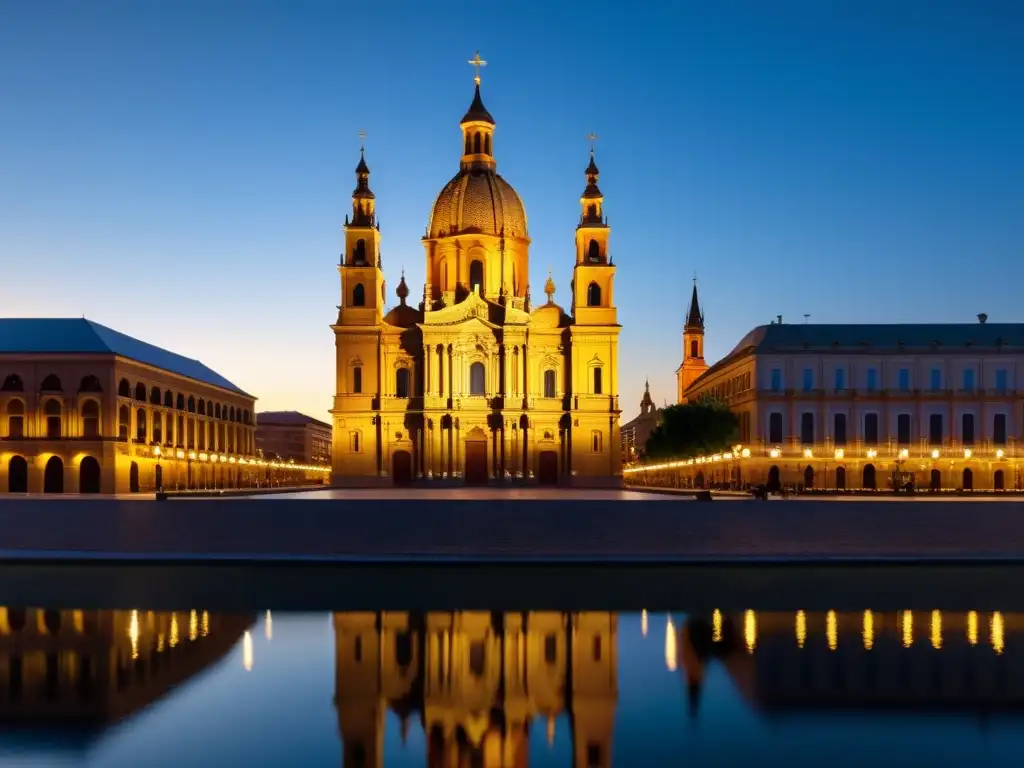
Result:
x=402 y=291
x=647 y=402
x=592 y=200
x=695 y=318
x=477 y=111
x=362 y=197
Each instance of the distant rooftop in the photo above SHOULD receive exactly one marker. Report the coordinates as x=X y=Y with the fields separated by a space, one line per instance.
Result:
x=288 y=419
x=78 y=336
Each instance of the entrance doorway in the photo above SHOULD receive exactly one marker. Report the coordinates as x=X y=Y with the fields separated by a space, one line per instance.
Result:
x=89 y=475
x=870 y=479
x=17 y=475
x=401 y=468
x=476 y=457
x=935 y=481
x=809 y=477
x=133 y=478
x=968 y=480
x=53 y=476
x=159 y=478
x=547 y=468
x=774 y=484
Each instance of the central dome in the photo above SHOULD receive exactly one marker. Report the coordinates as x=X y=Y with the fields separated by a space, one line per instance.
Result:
x=477 y=200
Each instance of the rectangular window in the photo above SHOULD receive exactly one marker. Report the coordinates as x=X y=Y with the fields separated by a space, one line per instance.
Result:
x=935 y=380
x=903 y=429
x=807 y=428
x=904 y=379
x=775 y=428
x=967 y=428
x=16 y=427
x=935 y=429
x=808 y=382
x=597 y=381
x=1001 y=380
x=999 y=429
x=871 y=428
x=839 y=429
x=776 y=384
x=357 y=380
x=969 y=379
x=549 y=383
x=872 y=379
x=595 y=442
x=840 y=379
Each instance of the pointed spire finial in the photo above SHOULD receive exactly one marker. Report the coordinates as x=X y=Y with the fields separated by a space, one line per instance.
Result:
x=362 y=140
x=549 y=288
x=477 y=62
x=592 y=138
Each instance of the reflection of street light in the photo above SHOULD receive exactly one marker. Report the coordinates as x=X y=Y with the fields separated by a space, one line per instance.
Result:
x=774 y=453
x=202 y=460
x=935 y=453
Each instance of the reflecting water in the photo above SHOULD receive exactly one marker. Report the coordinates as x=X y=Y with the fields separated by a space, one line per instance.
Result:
x=478 y=688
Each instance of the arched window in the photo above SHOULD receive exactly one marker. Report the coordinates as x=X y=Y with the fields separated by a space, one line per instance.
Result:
x=201 y=407
x=168 y=399
x=180 y=402
x=469 y=144
x=694 y=348
x=231 y=413
x=140 y=392
x=90 y=384
x=217 y=411
x=476 y=276
x=191 y=404
x=357 y=379
x=13 y=383
x=595 y=442
x=124 y=389
x=53 y=409
x=592 y=211
x=158 y=421
x=16 y=419
x=359 y=296
x=487 y=145
x=402 y=382
x=597 y=381
x=549 y=384
x=90 y=420
x=477 y=379
x=593 y=251
x=476 y=144
x=360 y=253
x=51 y=384
x=140 y=425
x=124 y=420
x=593 y=295
x=154 y=396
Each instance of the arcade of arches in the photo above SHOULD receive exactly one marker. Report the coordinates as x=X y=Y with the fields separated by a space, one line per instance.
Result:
x=89 y=424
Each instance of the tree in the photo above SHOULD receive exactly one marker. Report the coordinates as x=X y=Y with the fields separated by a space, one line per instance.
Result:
x=699 y=428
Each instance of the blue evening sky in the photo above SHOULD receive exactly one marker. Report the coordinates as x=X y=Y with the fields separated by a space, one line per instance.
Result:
x=180 y=170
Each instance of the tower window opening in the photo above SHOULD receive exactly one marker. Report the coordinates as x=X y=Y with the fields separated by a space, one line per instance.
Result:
x=357 y=379
x=592 y=212
x=694 y=348
x=476 y=144
x=549 y=384
x=360 y=253
x=402 y=382
x=593 y=295
x=594 y=251
x=476 y=276
x=597 y=381
x=469 y=144
x=359 y=295
x=487 y=145
x=477 y=378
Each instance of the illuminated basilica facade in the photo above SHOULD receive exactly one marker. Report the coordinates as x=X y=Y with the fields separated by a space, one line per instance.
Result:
x=475 y=383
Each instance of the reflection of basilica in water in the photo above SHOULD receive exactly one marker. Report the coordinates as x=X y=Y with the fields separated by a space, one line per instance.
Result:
x=475 y=682
x=907 y=660
x=93 y=668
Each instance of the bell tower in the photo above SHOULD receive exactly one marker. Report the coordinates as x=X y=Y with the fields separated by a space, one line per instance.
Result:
x=594 y=335
x=693 y=364
x=357 y=339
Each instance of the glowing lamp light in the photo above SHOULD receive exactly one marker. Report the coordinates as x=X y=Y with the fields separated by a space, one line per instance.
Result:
x=904 y=453
x=840 y=453
x=967 y=453
x=156 y=450
x=180 y=454
x=872 y=453
x=223 y=458
x=232 y=460
x=1000 y=453
x=203 y=457
x=774 y=453
x=745 y=453
x=808 y=453
x=935 y=453
x=191 y=455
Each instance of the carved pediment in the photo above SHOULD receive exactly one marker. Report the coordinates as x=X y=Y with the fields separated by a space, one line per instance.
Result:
x=471 y=309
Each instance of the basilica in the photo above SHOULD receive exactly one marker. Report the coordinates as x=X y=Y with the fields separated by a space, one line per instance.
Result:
x=476 y=383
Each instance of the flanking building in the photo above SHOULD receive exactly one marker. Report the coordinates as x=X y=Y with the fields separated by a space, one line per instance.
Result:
x=938 y=406
x=84 y=408
x=293 y=436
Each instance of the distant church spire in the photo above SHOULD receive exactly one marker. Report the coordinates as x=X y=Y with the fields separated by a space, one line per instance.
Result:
x=363 y=199
x=695 y=318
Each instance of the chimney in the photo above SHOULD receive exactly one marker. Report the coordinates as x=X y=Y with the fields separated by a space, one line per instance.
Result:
x=779 y=319
x=982 y=318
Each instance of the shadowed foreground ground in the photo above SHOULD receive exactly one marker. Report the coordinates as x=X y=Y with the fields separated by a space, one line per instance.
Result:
x=553 y=529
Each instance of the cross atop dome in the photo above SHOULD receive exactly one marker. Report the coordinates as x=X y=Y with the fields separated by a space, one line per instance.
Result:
x=477 y=62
